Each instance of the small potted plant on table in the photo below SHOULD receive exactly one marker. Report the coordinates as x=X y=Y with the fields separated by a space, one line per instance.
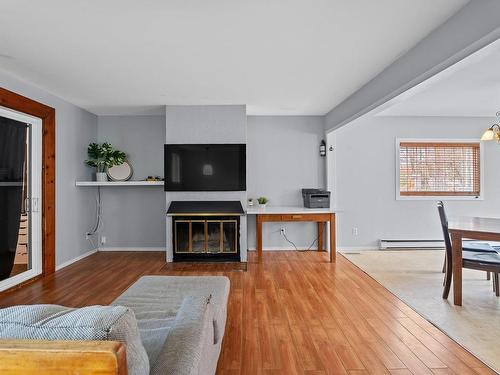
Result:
x=262 y=202
x=102 y=157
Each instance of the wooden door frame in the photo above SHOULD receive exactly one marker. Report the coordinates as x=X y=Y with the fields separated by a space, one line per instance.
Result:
x=47 y=114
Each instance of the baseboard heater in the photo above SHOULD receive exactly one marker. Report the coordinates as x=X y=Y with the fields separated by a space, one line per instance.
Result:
x=410 y=244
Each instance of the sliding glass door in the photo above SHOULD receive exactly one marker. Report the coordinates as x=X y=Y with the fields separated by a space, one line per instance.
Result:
x=20 y=192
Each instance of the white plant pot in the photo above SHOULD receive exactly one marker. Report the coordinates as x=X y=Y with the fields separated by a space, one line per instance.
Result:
x=101 y=177
x=262 y=206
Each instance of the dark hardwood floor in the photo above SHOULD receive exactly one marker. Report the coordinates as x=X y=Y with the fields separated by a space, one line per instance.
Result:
x=293 y=313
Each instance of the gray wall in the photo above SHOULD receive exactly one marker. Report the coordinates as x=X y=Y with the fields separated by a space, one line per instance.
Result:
x=473 y=27
x=207 y=124
x=134 y=217
x=283 y=157
x=366 y=179
x=75 y=128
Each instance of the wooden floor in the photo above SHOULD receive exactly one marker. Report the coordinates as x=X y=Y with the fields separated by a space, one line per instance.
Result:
x=294 y=313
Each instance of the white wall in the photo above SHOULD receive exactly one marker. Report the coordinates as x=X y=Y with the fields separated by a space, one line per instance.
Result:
x=207 y=124
x=75 y=129
x=473 y=27
x=134 y=217
x=283 y=157
x=365 y=179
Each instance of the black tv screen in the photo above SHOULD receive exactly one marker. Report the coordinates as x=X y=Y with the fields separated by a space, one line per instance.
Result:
x=205 y=167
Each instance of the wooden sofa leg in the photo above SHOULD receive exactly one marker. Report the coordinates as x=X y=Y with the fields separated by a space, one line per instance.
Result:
x=495 y=284
x=488 y=275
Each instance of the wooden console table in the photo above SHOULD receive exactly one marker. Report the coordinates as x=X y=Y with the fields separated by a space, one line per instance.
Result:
x=321 y=216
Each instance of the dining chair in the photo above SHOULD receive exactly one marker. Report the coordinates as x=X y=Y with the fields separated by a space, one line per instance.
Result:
x=483 y=260
x=471 y=246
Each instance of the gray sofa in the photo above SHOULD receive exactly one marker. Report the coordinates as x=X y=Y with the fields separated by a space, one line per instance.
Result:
x=170 y=324
x=179 y=338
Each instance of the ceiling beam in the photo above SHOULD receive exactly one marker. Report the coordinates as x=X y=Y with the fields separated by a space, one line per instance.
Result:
x=473 y=27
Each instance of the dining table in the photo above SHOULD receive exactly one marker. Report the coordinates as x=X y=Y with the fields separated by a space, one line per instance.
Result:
x=474 y=228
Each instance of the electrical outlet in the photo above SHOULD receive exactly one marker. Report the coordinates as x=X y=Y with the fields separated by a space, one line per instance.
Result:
x=282 y=230
x=103 y=240
x=354 y=231
x=87 y=236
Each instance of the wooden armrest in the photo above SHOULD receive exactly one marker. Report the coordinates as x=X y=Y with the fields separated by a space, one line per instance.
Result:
x=44 y=357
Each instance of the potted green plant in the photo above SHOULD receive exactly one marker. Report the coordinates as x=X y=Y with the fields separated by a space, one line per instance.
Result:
x=262 y=202
x=102 y=157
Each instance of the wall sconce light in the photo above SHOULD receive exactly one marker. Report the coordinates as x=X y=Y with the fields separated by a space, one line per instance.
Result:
x=322 y=148
x=493 y=132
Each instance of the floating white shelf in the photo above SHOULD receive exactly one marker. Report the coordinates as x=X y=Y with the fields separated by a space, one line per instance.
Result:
x=119 y=183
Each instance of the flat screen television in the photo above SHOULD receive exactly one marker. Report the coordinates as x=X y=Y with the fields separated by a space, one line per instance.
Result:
x=205 y=167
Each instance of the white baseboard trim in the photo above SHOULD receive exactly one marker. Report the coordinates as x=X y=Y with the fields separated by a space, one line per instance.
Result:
x=80 y=257
x=131 y=248
x=282 y=248
x=344 y=249
x=410 y=244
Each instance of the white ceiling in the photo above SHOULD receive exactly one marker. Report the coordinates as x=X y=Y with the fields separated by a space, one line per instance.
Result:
x=296 y=57
x=471 y=88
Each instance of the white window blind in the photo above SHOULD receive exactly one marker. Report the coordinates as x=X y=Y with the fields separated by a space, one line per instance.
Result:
x=439 y=169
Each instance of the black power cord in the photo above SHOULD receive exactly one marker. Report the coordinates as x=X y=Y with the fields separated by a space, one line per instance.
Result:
x=293 y=244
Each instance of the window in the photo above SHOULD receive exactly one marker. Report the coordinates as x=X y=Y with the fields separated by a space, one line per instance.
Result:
x=439 y=168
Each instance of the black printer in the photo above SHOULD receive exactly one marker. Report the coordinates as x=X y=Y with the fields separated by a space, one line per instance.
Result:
x=316 y=198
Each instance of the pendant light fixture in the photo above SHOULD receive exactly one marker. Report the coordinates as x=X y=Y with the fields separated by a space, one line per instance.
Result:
x=493 y=132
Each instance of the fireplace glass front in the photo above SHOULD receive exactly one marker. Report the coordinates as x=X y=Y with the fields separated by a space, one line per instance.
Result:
x=208 y=238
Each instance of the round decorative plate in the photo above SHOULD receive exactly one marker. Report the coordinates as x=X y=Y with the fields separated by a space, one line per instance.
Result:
x=122 y=172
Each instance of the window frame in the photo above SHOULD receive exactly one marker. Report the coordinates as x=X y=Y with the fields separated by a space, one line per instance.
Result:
x=439 y=197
